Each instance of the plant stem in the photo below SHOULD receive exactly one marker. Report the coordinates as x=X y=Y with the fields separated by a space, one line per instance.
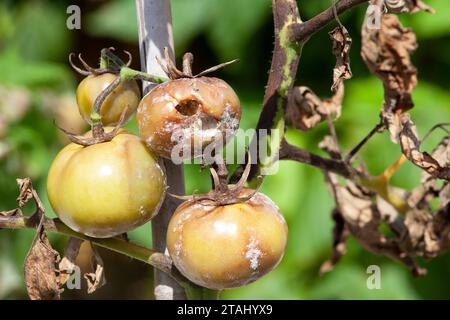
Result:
x=116 y=244
x=210 y=294
x=102 y=97
x=301 y=32
x=128 y=73
x=285 y=58
x=194 y=292
x=104 y=63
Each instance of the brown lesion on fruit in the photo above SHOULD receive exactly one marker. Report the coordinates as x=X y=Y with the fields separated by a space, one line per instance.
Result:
x=188 y=107
x=190 y=115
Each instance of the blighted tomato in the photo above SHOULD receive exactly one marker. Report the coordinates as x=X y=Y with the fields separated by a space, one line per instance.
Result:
x=187 y=114
x=108 y=188
x=226 y=246
x=126 y=95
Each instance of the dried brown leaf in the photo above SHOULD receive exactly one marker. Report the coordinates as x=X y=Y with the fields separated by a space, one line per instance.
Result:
x=341 y=49
x=362 y=213
x=95 y=279
x=442 y=152
x=305 y=109
x=340 y=235
x=429 y=188
x=444 y=196
x=25 y=191
x=410 y=144
x=40 y=268
x=386 y=52
x=67 y=263
x=363 y=218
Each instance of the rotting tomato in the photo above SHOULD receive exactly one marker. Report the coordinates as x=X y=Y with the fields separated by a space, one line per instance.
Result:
x=107 y=188
x=189 y=112
x=186 y=112
x=126 y=95
x=227 y=246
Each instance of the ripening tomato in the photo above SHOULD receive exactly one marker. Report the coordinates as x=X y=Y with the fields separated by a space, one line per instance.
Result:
x=126 y=95
x=188 y=112
x=108 y=188
x=227 y=246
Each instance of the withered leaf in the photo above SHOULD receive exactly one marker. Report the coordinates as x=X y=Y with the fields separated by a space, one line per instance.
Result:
x=386 y=52
x=96 y=278
x=429 y=188
x=363 y=219
x=340 y=235
x=305 y=109
x=444 y=196
x=442 y=152
x=410 y=144
x=25 y=191
x=67 y=263
x=341 y=49
x=40 y=268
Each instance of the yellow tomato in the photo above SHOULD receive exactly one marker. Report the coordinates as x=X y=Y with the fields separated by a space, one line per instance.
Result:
x=107 y=188
x=126 y=95
x=221 y=247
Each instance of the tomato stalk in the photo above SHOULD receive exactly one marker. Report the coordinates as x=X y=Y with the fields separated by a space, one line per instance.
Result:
x=116 y=244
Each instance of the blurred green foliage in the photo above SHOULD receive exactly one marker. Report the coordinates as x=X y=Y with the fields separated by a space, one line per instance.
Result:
x=34 y=45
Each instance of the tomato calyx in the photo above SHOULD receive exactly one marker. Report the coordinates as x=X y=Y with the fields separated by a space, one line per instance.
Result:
x=109 y=63
x=224 y=193
x=174 y=73
x=99 y=135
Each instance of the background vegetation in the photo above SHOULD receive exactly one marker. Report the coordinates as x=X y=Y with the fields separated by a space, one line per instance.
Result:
x=37 y=88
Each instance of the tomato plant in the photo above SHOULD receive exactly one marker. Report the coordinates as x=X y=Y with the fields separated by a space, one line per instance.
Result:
x=109 y=181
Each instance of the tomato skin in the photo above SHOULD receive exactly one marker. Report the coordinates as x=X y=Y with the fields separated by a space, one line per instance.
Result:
x=221 y=247
x=160 y=121
x=108 y=188
x=127 y=94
